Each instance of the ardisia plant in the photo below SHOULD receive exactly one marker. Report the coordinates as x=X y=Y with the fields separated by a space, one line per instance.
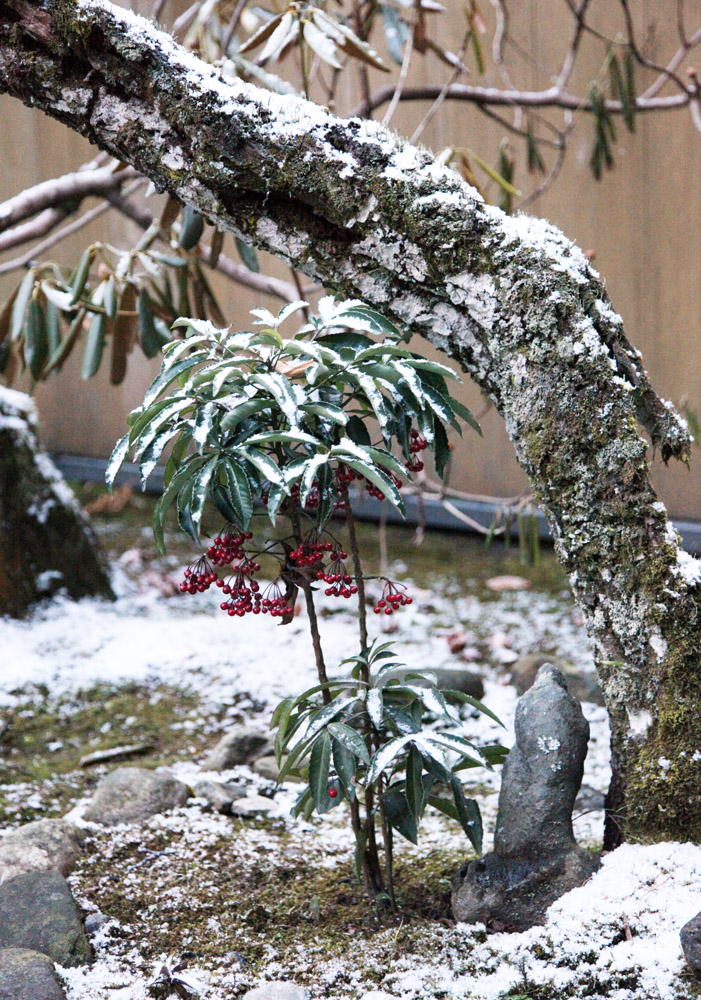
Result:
x=283 y=429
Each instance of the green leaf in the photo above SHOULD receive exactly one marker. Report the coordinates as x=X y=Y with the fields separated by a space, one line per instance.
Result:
x=379 y=479
x=241 y=412
x=350 y=739
x=399 y=815
x=264 y=464
x=36 y=341
x=80 y=275
x=178 y=481
x=344 y=765
x=441 y=448
x=247 y=255
x=462 y=411
x=414 y=784
x=21 y=301
x=200 y=487
x=319 y=765
x=191 y=228
x=374 y=707
x=285 y=437
x=167 y=376
x=149 y=338
x=239 y=492
x=94 y=345
x=358 y=432
x=385 y=755
x=119 y=453
x=468 y=814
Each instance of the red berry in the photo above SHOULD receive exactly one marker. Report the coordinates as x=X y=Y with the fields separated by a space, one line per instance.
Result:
x=333 y=793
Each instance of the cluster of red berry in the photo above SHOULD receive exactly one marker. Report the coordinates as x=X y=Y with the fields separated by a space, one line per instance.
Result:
x=310 y=552
x=228 y=547
x=394 y=597
x=199 y=577
x=417 y=443
x=338 y=576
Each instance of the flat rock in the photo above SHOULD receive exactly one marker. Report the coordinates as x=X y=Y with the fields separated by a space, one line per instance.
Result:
x=581 y=684
x=28 y=975
x=132 y=794
x=277 y=991
x=251 y=805
x=37 y=911
x=45 y=845
x=218 y=795
x=690 y=936
x=241 y=745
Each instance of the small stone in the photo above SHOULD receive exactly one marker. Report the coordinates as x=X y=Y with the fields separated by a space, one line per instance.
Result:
x=690 y=936
x=241 y=745
x=132 y=794
x=277 y=991
x=94 y=921
x=219 y=796
x=28 y=975
x=468 y=682
x=37 y=911
x=45 y=845
x=581 y=684
x=266 y=767
x=251 y=805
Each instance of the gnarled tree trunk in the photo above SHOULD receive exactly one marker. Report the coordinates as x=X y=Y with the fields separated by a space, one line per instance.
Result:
x=511 y=299
x=46 y=543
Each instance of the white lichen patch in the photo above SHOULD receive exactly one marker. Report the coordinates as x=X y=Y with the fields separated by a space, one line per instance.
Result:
x=291 y=245
x=548 y=744
x=639 y=721
x=476 y=293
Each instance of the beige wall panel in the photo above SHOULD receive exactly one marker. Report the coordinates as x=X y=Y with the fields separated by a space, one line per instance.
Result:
x=642 y=221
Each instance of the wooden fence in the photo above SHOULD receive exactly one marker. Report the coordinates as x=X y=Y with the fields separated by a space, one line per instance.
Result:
x=642 y=222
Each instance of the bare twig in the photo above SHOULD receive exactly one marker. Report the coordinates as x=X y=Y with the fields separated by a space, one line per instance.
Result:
x=408 y=50
x=232 y=26
x=433 y=110
x=59 y=190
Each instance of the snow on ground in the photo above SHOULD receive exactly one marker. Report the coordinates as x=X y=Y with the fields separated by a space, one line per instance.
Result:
x=616 y=937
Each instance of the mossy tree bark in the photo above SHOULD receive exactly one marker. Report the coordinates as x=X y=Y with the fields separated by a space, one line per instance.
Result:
x=46 y=543
x=510 y=299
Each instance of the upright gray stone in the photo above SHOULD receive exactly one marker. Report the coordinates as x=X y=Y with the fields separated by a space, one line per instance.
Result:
x=536 y=858
x=582 y=684
x=132 y=794
x=37 y=911
x=28 y=975
x=690 y=936
x=45 y=845
x=241 y=745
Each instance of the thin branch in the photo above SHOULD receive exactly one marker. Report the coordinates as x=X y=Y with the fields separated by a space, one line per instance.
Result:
x=643 y=60
x=672 y=65
x=59 y=190
x=232 y=26
x=408 y=50
x=493 y=96
x=62 y=234
x=555 y=170
x=571 y=54
x=433 y=110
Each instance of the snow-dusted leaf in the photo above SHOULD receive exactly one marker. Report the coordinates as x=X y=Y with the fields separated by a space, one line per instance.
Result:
x=119 y=453
x=199 y=491
x=280 y=389
x=386 y=754
x=240 y=494
x=262 y=34
x=374 y=706
x=168 y=374
x=286 y=31
x=350 y=739
x=203 y=425
x=151 y=455
x=286 y=437
x=460 y=746
x=374 y=397
x=264 y=464
x=320 y=43
x=310 y=472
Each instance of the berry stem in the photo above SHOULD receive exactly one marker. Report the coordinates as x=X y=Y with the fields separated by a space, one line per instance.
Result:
x=306 y=588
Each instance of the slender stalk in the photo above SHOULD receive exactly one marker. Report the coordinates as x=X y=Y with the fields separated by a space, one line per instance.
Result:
x=388 y=846
x=306 y=588
x=359 y=578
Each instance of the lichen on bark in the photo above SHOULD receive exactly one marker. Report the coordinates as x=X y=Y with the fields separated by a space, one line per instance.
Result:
x=511 y=299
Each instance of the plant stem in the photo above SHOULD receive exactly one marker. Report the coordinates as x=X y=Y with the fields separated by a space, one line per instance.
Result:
x=389 y=858
x=306 y=588
x=358 y=572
